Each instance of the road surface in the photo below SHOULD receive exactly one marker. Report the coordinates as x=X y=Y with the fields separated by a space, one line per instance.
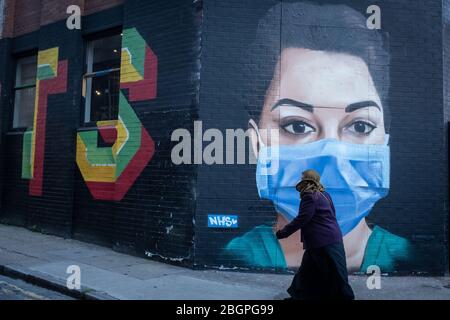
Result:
x=13 y=289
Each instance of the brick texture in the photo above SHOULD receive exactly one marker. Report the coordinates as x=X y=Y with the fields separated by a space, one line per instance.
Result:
x=27 y=16
x=93 y=6
x=2 y=15
x=8 y=20
x=23 y=16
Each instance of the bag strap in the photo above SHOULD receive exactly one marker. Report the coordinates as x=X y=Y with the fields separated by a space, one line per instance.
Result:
x=330 y=203
x=324 y=196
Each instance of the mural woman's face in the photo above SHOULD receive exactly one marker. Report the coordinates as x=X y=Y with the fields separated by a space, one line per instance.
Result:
x=318 y=95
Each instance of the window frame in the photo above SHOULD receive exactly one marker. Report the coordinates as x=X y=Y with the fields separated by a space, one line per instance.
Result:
x=89 y=74
x=19 y=60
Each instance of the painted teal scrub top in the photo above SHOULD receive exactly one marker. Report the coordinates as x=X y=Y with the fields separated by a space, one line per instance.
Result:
x=261 y=249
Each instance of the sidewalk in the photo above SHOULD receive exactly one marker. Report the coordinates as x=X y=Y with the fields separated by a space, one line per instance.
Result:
x=105 y=274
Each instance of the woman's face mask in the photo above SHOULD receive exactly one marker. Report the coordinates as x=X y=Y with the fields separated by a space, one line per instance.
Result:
x=355 y=175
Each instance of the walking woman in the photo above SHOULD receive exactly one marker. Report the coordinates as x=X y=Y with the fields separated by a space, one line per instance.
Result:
x=323 y=271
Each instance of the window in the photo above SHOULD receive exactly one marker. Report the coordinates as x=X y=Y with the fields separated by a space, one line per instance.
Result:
x=24 y=92
x=102 y=79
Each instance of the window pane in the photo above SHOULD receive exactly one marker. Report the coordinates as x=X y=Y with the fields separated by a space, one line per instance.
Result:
x=26 y=71
x=105 y=97
x=106 y=53
x=24 y=107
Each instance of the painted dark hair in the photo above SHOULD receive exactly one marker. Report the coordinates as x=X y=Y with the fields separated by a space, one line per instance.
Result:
x=333 y=28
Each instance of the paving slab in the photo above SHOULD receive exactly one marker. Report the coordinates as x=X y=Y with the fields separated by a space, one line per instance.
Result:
x=106 y=274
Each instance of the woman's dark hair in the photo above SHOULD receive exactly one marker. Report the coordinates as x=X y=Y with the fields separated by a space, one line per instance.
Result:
x=333 y=28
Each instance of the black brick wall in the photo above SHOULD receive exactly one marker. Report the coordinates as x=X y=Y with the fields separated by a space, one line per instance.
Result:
x=5 y=83
x=162 y=198
x=446 y=76
x=416 y=207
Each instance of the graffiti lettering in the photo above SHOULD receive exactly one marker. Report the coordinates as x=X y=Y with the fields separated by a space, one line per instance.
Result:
x=222 y=221
x=51 y=79
x=109 y=172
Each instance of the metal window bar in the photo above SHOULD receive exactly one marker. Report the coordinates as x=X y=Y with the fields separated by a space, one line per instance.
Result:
x=100 y=73
x=87 y=80
x=27 y=86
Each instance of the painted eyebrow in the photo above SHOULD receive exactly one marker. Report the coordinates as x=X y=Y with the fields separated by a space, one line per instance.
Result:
x=310 y=108
x=294 y=103
x=363 y=104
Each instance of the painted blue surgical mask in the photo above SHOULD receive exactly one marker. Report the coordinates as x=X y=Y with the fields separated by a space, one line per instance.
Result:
x=355 y=175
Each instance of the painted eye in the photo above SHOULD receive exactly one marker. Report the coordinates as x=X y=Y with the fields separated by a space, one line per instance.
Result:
x=361 y=127
x=298 y=127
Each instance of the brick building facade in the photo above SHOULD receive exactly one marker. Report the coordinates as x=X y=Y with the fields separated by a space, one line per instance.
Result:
x=87 y=122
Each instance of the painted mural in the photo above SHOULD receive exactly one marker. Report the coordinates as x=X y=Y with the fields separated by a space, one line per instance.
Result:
x=316 y=72
x=109 y=172
x=325 y=80
x=51 y=79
